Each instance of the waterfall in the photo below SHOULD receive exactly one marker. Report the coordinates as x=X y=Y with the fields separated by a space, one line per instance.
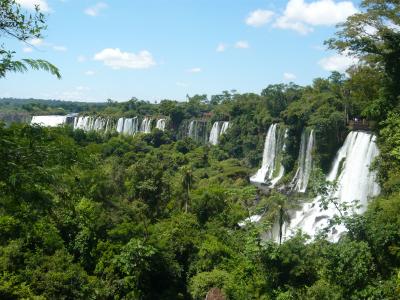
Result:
x=49 y=121
x=300 y=180
x=161 y=124
x=224 y=128
x=214 y=134
x=128 y=126
x=88 y=123
x=198 y=131
x=145 y=127
x=191 y=130
x=271 y=169
x=218 y=129
x=355 y=181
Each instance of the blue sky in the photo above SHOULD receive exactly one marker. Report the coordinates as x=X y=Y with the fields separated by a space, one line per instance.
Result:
x=166 y=49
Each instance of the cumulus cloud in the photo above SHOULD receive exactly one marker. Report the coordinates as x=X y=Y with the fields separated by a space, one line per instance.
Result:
x=242 y=45
x=116 y=59
x=36 y=42
x=40 y=43
x=302 y=16
x=221 y=47
x=31 y=4
x=289 y=76
x=89 y=73
x=195 y=70
x=95 y=10
x=337 y=62
x=259 y=17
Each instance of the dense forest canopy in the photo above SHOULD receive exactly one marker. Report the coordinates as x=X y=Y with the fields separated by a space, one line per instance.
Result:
x=89 y=215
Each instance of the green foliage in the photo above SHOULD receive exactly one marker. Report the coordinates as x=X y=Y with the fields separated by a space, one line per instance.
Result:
x=92 y=216
x=18 y=24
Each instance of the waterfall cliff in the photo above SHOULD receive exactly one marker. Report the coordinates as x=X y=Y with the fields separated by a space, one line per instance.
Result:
x=197 y=130
x=300 y=180
x=145 y=127
x=271 y=170
x=354 y=182
x=49 y=121
x=218 y=129
x=224 y=128
x=91 y=123
x=128 y=126
x=161 y=124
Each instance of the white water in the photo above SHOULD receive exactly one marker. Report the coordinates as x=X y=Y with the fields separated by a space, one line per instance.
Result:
x=49 y=121
x=251 y=219
x=161 y=124
x=145 y=127
x=224 y=128
x=300 y=180
x=218 y=129
x=354 y=182
x=88 y=123
x=272 y=149
x=191 y=130
x=128 y=126
x=214 y=134
x=197 y=131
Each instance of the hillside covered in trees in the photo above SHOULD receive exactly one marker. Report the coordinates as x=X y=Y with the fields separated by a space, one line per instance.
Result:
x=97 y=214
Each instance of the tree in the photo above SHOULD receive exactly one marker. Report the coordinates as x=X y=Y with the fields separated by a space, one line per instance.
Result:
x=278 y=207
x=373 y=36
x=21 y=25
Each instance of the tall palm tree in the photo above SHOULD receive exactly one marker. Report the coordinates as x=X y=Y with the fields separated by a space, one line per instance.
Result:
x=278 y=208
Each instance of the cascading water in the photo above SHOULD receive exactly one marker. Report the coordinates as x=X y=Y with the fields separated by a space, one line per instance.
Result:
x=224 y=128
x=271 y=169
x=197 y=131
x=161 y=124
x=214 y=134
x=191 y=131
x=49 y=121
x=128 y=126
x=355 y=182
x=300 y=180
x=218 y=129
x=88 y=123
x=145 y=127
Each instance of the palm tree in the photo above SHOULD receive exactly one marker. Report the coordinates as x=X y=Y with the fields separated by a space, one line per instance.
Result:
x=278 y=207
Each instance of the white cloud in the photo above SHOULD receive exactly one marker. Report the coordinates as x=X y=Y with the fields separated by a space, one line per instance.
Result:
x=36 y=42
x=60 y=48
x=195 y=70
x=27 y=49
x=289 y=76
x=116 y=59
x=242 y=45
x=302 y=16
x=181 y=84
x=95 y=10
x=259 y=17
x=337 y=62
x=31 y=4
x=78 y=93
x=90 y=73
x=82 y=88
x=221 y=47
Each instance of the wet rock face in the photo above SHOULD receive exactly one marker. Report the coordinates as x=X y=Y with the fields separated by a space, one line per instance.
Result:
x=215 y=294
